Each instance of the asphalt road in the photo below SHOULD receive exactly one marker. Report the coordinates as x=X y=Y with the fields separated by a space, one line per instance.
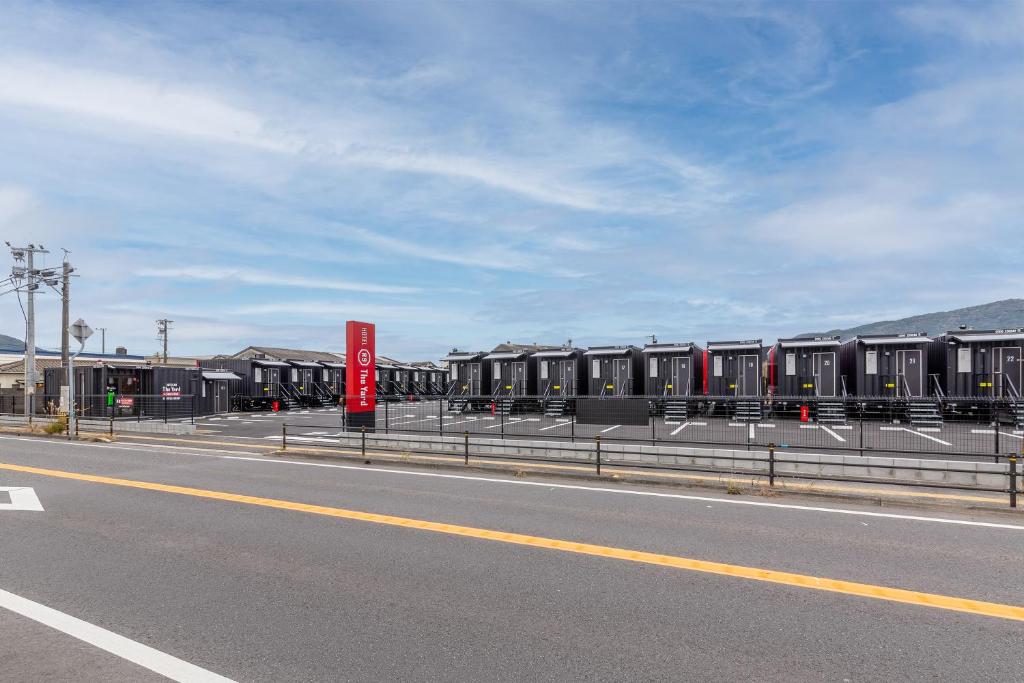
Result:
x=330 y=571
x=950 y=441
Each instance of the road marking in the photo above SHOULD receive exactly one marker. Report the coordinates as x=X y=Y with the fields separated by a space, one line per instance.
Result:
x=125 y=648
x=767 y=426
x=826 y=429
x=540 y=468
x=911 y=431
x=680 y=428
x=983 y=431
x=1016 y=436
x=750 y=433
x=898 y=595
x=502 y=424
x=929 y=429
x=610 y=429
x=557 y=424
x=22 y=498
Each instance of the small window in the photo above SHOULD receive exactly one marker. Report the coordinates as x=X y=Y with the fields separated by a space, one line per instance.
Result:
x=963 y=359
x=718 y=366
x=257 y=375
x=295 y=374
x=654 y=366
x=871 y=362
x=453 y=371
x=543 y=369
x=497 y=370
x=595 y=368
x=791 y=364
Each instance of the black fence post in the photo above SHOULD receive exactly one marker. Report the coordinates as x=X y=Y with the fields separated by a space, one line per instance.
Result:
x=363 y=446
x=1013 y=480
x=387 y=415
x=111 y=425
x=440 y=416
x=165 y=411
x=503 y=424
x=284 y=436
x=597 y=440
x=572 y=427
x=465 y=437
x=654 y=424
x=861 y=421
x=192 y=410
x=771 y=464
x=995 y=431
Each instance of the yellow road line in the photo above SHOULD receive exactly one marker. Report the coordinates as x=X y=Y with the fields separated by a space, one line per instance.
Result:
x=864 y=590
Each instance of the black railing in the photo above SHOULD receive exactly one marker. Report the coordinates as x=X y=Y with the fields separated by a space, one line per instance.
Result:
x=118 y=407
x=969 y=428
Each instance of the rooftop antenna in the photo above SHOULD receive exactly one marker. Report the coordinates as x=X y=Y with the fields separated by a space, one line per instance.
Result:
x=653 y=338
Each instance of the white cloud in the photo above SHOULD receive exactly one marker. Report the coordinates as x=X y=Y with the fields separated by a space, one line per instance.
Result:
x=14 y=201
x=269 y=278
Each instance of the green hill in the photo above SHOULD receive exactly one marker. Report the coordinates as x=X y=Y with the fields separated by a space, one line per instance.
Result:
x=994 y=316
x=11 y=343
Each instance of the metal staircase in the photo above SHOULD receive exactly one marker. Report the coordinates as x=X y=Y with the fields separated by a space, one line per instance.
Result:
x=676 y=410
x=1017 y=413
x=555 y=407
x=290 y=397
x=748 y=410
x=831 y=411
x=924 y=412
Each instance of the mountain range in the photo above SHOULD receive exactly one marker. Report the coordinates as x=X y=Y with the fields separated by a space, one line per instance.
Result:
x=992 y=316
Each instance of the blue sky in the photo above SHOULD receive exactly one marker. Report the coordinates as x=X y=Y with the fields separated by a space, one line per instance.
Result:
x=469 y=173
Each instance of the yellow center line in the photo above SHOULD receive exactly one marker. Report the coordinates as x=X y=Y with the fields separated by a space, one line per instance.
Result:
x=989 y=609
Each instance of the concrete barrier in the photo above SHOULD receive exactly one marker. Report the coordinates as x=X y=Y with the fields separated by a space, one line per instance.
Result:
x=890 y=470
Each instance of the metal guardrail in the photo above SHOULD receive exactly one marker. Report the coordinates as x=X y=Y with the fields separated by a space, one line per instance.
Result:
x=120 y=407
x=625 y=458
x=979 y=428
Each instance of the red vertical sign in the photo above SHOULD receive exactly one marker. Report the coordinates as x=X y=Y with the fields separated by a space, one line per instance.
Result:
x=361 y=367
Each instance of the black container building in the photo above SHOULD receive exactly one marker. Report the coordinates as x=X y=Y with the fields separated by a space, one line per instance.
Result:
x=514 y=368
x=560 y=373
x=673 y=369
x=468 y=375
x=332 y=378
x=886 y=365
x=300 y=383
x=614 y=370
x=261 y=381
x=805 y=366
x=428 y=379
x=979 y=363
x=733 y=368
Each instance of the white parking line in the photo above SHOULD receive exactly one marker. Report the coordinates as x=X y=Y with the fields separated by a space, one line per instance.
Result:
x=558 y=424
x=610 y=429
x=911 y=431
x=125 y=648
x=502 y=424
x=1016 y=436
x=837 y=437
x=680 y=428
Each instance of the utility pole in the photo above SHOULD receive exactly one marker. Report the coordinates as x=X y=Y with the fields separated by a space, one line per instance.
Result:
x=32 y=279
x=65 y=296
x=103 y=340
x=162 y=326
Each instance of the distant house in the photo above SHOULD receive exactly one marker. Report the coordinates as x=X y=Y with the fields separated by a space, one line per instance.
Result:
x=281 y=354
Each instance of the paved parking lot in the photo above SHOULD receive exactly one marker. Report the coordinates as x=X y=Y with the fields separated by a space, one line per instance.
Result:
x=961 y=439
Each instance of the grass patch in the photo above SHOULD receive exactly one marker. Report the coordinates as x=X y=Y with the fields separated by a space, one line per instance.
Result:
x=58 y=426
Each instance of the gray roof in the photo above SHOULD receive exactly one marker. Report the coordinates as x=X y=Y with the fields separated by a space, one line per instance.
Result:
x=278 y=353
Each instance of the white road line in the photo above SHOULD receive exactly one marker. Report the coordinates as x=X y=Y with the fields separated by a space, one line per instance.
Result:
x=558 y=424
x=628 y=492
x=1016 y=436
x=468 y=419
x=610 y=429
x=911 y=431
x=983 y=431
x=501 y=424
x=838 y=438
x=842 y=427
x=808 y=426
x=22 y=498
x=409 y=422
x=125 y=648
x=680 y=428
x=258 y=458
x=929 y=429
x=766 y=426
x=751 y=431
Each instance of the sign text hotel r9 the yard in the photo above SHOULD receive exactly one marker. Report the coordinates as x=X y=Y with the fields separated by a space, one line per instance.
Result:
x=360 y=374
